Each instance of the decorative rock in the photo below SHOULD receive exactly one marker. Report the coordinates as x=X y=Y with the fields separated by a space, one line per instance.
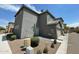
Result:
x=29 y=50
x=52 y=40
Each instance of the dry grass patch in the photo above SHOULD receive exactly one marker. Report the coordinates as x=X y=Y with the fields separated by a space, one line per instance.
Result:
x=16 y=46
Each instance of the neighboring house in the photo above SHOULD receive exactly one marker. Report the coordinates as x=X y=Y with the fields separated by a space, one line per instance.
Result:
x=61 y=24
x=71 y=29
x=6 y=29
x=10 y=27
x=29 y=23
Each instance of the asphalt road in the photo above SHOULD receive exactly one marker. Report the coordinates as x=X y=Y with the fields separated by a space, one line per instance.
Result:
x=73 y=43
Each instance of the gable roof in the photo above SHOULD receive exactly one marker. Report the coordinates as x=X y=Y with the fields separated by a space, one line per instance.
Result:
x=47 y=13
x=60 y=18
x=23 y=6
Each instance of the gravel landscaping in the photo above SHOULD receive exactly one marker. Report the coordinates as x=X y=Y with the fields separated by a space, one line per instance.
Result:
x=16 y=46
x=47 y=43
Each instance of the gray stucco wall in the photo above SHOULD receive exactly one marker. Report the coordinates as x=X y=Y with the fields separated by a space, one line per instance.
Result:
x=52 y=31
x=49 y=19
x=58 y=29
x=62 y=28
x=18 y=24
x=52 y=27
x=28 y=23
x=43 y=29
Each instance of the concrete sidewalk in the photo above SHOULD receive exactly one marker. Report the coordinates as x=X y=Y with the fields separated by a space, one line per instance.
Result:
x=4 y=46
x=63 y=47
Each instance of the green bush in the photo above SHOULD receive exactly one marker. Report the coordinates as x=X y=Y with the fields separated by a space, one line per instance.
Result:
x=34 y=41
x=11 y=36
x=45 y=50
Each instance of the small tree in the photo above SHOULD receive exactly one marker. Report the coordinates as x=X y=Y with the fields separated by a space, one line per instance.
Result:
x=66 y=28
x=76 y=29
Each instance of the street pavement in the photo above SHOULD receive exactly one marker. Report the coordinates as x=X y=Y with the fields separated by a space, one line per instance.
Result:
x=73 y=43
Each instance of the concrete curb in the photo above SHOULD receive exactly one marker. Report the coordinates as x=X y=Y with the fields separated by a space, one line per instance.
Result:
x=63 y=47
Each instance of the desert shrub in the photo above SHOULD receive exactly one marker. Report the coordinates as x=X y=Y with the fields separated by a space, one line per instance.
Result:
x=8 y=36
x=2 y=28
x=77 y=31
x=55 y=41
x=39 y=52
x=52 y=45
x=34 y=41
x=11 y=36
x=45 y=50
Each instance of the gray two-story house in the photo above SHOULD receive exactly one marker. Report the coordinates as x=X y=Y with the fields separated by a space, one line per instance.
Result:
x=29 y=23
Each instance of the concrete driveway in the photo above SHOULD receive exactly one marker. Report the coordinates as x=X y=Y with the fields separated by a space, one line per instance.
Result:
x=4 y=46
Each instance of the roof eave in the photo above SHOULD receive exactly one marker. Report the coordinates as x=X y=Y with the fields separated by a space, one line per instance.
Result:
x=48 y=13
x=25 y=8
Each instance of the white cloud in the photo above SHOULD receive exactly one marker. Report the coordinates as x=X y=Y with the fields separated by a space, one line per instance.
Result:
x=33 y=8
x=13 y=8
x=9 y=7
x=74 y=24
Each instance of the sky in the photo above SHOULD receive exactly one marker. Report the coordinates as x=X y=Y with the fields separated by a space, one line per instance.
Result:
x=69 y=12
